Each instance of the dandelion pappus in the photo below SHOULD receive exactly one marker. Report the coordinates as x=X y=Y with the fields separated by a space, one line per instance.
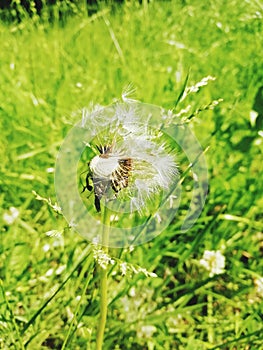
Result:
x=107 y=170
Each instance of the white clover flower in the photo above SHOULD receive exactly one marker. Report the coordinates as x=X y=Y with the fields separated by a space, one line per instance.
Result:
x=214 y=262
x=132 y=162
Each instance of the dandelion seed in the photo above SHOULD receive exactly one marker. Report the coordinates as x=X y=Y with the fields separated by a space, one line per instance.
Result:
x=171 y=200
x=158 y=218
x=214 y=262
x=195 y=177
x=127 y=93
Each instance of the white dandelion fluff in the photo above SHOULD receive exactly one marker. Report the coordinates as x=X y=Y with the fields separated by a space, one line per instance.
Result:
x=132 y=162
x=122 y=159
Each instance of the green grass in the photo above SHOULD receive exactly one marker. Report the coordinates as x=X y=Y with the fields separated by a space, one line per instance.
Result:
x=49 y=293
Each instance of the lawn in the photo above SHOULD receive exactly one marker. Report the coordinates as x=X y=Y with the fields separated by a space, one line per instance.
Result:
x=168 y=297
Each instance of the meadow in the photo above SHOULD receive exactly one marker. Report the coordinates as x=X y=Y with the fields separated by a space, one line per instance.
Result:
x=53 y=65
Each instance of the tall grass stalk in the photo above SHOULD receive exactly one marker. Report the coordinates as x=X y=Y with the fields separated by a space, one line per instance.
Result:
x=103 y=282
x=210 y=318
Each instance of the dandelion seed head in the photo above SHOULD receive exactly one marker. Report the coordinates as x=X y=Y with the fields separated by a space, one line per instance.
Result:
x=132 y=158
x=123 y=157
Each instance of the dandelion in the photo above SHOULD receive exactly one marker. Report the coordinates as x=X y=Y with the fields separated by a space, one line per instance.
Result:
x=132 y=162
x=214 y=262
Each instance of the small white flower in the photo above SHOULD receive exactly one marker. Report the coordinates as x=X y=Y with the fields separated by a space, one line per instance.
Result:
x=259 y=285
x=132 y=292
x=46 y=247
x=49 y=272
x=113 y=218
x=60 y=269
x=124 y=268
x=102 y=258
x=50 y=170
x=146 y=331
x=54 y=233
x=214 y=262
x=10 y=217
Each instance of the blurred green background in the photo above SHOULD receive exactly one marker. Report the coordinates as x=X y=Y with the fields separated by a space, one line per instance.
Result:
x=61 y=58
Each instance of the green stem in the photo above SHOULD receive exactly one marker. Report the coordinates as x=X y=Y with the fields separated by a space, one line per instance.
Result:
x=210 y=318
x=103 y=282
x=13 y=320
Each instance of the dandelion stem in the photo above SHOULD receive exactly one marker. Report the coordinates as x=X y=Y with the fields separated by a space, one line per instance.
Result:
x=103 y=282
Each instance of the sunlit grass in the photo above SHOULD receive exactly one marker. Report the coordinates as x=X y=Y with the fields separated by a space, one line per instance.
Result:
x=50 y=71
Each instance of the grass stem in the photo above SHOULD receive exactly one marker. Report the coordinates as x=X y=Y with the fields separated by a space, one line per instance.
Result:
x=210 y=318
x=103 y=282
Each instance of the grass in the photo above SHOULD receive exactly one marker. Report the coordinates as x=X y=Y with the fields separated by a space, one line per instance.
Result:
x=49 y=293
